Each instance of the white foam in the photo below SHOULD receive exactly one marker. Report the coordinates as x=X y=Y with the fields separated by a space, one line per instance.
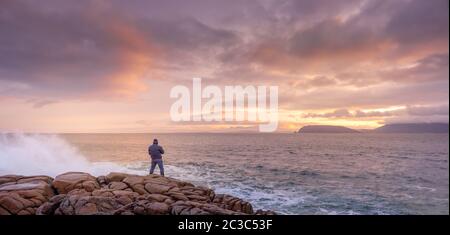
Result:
x=278 y=200
x=34 y=154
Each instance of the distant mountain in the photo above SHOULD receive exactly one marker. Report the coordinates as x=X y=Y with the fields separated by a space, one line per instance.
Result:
x=326 y=129
x=413 y=128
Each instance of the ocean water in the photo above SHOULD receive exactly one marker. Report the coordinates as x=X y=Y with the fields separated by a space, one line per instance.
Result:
x=288 y=173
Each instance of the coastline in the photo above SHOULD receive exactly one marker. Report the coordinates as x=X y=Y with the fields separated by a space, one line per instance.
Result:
x=79 y=193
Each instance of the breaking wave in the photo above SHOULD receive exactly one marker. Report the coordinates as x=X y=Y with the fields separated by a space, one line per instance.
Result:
x=45 y=154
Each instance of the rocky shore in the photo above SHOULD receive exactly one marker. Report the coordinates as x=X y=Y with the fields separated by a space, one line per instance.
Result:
x=78 y=193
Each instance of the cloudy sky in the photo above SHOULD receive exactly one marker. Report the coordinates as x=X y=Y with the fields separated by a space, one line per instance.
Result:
x=108 y=66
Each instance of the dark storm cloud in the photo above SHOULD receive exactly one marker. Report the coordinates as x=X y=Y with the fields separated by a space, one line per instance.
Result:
x=420 y=21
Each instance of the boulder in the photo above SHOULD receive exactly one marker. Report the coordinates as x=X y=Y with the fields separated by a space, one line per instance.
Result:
x=66 y=182
x=133 y=180
x=157 y=188
x=157 y=197
x=117 y=185
x=116 y=177
x=88 y=205
x=23 y=195
x=102 y=181
x=196 y=208
x=78 y=193
x=233 y=203
x=48 y=208
x=145 y=207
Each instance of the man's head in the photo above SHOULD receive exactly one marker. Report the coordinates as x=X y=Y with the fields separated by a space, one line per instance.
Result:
x=155 y=141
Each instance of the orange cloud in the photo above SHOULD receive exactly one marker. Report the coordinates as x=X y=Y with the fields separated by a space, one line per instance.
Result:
x=135 y=59
x=133 y=53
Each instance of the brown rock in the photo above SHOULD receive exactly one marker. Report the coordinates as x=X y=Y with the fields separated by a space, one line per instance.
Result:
x=124 y=200
x=79 y=192
x=25 y=194
x=157 y=197
x=125 y=193
x=179 y=183
x=86 y=209
x=11 y=202
x=116 y=193
x=233 y=203
x=89 y=205
x=139 y=210
x=117 y=185
x=197 y=198
x=157 y=208
x=196 y=208
x=102 y=181
x=9 y=178
x=4 y=212
x=38 y=178
x=103 y=193
x=169 y=201
x=157 y=188
x=139 y=188
x=178 y=196
x=66 y=182
x=90 y=185
x=48 y=208
x=151 y=208
x=116 y=177
x=25 y=212
x=133 y=180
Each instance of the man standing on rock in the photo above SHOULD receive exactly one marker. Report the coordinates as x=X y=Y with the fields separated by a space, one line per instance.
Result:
x=155 y=151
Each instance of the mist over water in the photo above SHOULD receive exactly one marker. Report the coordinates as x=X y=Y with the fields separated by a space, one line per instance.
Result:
x=288 y=173
x=38 y=154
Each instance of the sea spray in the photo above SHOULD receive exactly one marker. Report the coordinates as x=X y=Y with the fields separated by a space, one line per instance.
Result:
x=46 y=154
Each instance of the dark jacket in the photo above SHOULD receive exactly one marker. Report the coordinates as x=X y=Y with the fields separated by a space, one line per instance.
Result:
x=155 y=151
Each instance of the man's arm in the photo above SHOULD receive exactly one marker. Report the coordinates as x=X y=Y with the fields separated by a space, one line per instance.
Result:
x=161 y=150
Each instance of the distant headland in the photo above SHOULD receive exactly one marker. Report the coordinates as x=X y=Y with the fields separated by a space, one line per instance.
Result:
x=326 y=129
x=413 y=128
x=388 y=128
